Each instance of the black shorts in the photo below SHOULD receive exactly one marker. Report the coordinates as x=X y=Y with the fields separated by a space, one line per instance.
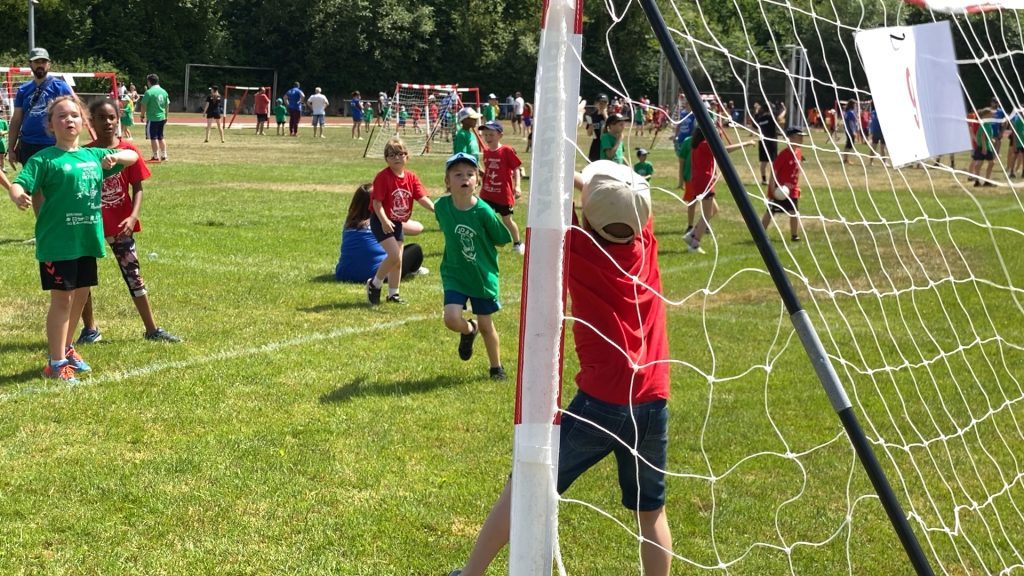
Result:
x=501 y=209
x=155 y=129
x=68 y=275
x=787 y=206
x=978 y=155
x=768 y=150
x=517 y=118
x=213 y=116
x=378 y=231
x=26 y=151
x=262 y=117
x=877 y=138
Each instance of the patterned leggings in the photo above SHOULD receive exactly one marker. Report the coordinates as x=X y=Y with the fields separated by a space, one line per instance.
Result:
x=128 y=260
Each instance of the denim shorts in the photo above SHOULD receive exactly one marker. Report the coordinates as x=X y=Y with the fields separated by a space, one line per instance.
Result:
x=481 y=306
x=592 y=429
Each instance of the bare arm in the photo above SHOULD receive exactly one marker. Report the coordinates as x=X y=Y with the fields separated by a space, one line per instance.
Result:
x=128 y=224
x=15 y=131
x=18 y=195
x=426 y=202
x=386 y=225
x=123 y=157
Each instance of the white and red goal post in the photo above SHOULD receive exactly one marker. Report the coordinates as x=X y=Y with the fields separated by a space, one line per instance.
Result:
x=242 y=96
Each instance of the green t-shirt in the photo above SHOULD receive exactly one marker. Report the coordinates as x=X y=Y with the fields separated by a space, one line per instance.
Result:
x=607 y=142
x=3 y=135
x=645 y=169
x=280 y=113
x=1016 y=124
x=70 y=224
x=983 y=137
x=470 y=261
x=155 y=101
x=489 y=112
x=465 y=141
x=368 y=115
x=686 y=153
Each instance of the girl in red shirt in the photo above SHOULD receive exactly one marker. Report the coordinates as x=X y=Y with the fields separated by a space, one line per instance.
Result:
x=701 y=185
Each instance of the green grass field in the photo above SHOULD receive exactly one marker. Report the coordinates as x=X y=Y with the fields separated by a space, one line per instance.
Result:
x=297 y=430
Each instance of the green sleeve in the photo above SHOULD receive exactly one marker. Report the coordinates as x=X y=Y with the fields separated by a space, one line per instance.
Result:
x=496 y=229
x=31 y=173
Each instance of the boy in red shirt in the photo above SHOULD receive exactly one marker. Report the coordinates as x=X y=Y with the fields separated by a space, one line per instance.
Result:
x=501 y=184
x=120 y=213
x=615 y=243
x=394 y=190
x=784 y=188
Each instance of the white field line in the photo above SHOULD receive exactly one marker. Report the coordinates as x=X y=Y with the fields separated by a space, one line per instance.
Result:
x=117 y=376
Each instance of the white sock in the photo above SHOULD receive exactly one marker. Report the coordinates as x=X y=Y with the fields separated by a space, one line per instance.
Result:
x=392 y=291
x=376 y=283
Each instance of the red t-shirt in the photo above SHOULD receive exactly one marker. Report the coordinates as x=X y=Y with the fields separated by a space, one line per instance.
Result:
x=262 y=105
x=117 y=191
x=499 y=171
x=787 y=170
x=702 y=171
x=631 y=315
x=397 y=194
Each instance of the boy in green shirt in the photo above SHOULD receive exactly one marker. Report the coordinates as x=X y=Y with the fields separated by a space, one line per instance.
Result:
x=466 y=140
x=643 y=167
x=280 y=114
x=611 y=139
x=469 y=266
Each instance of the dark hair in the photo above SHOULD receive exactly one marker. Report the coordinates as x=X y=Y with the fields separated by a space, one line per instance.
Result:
x=153 y=79
x=359 y=207
x=95 y=106
x=696 y=137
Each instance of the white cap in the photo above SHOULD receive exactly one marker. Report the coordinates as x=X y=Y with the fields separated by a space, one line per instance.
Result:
x=468 y=112
x=615 y=194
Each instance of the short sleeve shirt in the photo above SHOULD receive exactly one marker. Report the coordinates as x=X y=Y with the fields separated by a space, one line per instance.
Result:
x=155 y=101
x=465 y=141
x=499 y=175
x=517 y=106
x=702 y=168
x=607 y=143
x=318 y=103
x=294 y=98
x=644 y=169
x=262 y=105
x=397 y=193
x=116 y=196
x=787 y=170
x=357 y=109
x=69 y=225
x=470 y=261
x=489 y=112
x=33 y=104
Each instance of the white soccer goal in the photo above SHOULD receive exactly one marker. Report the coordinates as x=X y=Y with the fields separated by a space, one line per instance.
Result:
x=11 y=78
x=241 y=100
x=907 y=294
x=423 y=115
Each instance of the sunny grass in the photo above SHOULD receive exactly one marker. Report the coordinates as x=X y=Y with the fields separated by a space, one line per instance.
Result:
x=378 y=452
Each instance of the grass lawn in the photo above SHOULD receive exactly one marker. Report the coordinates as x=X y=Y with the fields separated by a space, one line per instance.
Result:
x=296 y=430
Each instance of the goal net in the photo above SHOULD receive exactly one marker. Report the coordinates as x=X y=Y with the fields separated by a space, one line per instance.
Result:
x=911 y=276
x=87 y=85
x=241 y=100
x=423 y=115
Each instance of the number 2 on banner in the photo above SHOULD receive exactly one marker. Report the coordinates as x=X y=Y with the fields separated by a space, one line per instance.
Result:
x=913 y=99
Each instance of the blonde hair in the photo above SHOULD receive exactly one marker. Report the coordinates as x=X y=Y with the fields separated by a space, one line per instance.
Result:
x=393 y=145
x=53 y=104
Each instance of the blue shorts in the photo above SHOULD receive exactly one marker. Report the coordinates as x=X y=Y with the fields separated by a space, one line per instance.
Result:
x=318 y=120
x=481 y=306
x=378 y=230
x=155 y=129
x=583 y=443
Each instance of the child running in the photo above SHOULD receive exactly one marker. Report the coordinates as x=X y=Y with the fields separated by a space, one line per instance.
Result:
x=701 y=186
x=69 y=227
x=469 y=266
x=120 y=223
x=502 y=179
x=394 y=189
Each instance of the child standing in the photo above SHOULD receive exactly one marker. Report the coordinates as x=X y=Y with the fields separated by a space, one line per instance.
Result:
x=120 y=222
x=469 y=267
x=127 y=117
x=357 y=116
x=394 y=190
x=642 y=166
x=367 y=116
x=466 y=138
x=984 y=149
x=786 y=176
x=280 y=114
x=69 y=229
x=3 y=141
x=611 y=139
x=502 y=179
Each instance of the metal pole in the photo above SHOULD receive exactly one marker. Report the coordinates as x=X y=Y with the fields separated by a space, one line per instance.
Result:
x=801 y=321
x=32 y=23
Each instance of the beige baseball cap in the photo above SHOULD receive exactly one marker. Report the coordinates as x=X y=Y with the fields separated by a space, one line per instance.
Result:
x=613 y=194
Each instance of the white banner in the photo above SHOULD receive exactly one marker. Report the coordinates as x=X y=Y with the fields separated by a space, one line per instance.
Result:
x=963 y=6
x=916 y=89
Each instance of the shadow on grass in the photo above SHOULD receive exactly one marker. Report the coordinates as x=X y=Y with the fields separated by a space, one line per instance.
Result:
x=38 y=346
x=359 y=388
x=325 y=279
x=347 y=305
x=24 y=376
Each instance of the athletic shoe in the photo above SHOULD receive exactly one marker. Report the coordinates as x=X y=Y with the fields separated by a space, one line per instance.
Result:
x=498 y=373
x=988 y=184
x=154 y=159
x=422 y=271
x=466 y=342
x=688 y=236
x=60 y=371
x=695 y=248
x=161 y=335
x=165 y=159
x=795 y=238
x=395 y=299
x=372 y=294
x=75 y=360
x=89 y=336
x=455 y=573
x=520 y=248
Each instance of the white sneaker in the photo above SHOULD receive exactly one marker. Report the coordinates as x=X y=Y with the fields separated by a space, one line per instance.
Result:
x=695 y=248
x=520 y=248
x=688 y=236
x=423 y=271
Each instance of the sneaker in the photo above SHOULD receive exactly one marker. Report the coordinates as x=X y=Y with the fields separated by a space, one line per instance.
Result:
x=372 y=294
x=154 y=159
x=395 y=299
x=988 y=184
x=423 y=271
x=795 y=238
x=695 y=248
x=75 y=360
x=60 y=371
x=688 y=236
x=498 y=373
x=466 y=342
x=89 y=336
x=161 y=335
x=520 y=248
x=165 y=159
x=455 y=573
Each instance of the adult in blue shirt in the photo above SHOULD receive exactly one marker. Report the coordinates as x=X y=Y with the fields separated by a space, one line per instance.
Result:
x=361 y=254
x=295 y=98
x=997 y=124
x=850 y=123
x=357 y=115
x=28 y=133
